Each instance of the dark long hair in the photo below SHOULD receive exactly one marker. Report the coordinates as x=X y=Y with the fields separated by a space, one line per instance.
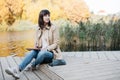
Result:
x=40 y=19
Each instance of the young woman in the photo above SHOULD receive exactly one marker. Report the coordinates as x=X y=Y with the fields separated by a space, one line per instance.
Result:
x=47 y=39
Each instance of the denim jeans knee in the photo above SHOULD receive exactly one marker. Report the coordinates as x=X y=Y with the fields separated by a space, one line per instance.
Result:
x=28 y=58
x=43 y=56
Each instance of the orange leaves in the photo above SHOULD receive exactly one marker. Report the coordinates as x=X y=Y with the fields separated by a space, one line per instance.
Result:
x=77 y=11
x=2 y=10
x=10 y=10
x=15 y=6
x=33 y=8
x=74 y=10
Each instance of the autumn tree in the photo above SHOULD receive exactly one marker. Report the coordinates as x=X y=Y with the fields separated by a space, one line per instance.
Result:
x=73 y=10
x=11 y=10
x=77 y=11
x=33 y=8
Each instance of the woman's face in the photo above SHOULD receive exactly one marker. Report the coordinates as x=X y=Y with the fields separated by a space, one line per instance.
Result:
x=46 y=18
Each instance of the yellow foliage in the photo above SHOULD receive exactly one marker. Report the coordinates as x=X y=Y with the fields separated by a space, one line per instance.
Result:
x=10 y=10
x=77 y=11
x=74 y=10
x=33 y=8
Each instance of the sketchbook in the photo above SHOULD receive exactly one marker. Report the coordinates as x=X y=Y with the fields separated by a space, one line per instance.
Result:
x=29 y=49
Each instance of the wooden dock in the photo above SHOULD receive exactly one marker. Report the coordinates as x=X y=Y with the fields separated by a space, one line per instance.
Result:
x=94 y=65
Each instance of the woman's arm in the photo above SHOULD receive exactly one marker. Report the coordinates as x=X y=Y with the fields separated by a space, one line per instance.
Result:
x=36 y=43
x=55 y=40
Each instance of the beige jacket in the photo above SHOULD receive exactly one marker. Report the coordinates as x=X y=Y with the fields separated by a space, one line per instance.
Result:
x=53 y=40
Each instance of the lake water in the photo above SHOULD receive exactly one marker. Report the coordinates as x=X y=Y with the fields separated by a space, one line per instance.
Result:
x=16 y=42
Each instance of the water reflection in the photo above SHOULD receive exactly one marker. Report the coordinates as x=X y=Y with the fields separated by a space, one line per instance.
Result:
x=15 y=42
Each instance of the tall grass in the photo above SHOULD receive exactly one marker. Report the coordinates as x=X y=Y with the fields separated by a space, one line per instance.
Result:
x=90 y=36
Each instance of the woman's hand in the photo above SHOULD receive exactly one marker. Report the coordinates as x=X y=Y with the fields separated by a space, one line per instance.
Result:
x=36 y=46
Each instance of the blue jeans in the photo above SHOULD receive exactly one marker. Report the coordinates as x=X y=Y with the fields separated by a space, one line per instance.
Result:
x=40 y=57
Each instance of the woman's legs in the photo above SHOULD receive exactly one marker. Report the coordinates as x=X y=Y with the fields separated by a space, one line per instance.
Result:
x=43 y=57
x=28 y=58
x=16 y=70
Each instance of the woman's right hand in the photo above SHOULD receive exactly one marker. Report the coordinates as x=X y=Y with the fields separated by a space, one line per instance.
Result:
x=36 y=45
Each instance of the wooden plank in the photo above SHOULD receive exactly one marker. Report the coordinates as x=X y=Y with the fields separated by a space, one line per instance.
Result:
x=1 y=72
x=79 y=54
x=41 y=75
x=94 y=55
x=29 y=74
x=90 y=75
x=65 y=53
x=86 y=54
x=116 y=54
x=80 y=63
x=18 y=61
x=114 y=78
x=105 y=55
x=95 y=64
x=104 y=75
x=69 y=60
x=110 y=55
x=92 y=72
x=70 y=54
x=111 y=76
x=88 y=67
x=5 y=65
x=50 y=74
x=12 y=64
x=101 y=55
x=99 y=67
x=98 y=76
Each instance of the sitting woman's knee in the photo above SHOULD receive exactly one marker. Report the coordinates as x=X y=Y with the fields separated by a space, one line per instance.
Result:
x=32 y=52
x=42 y=53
